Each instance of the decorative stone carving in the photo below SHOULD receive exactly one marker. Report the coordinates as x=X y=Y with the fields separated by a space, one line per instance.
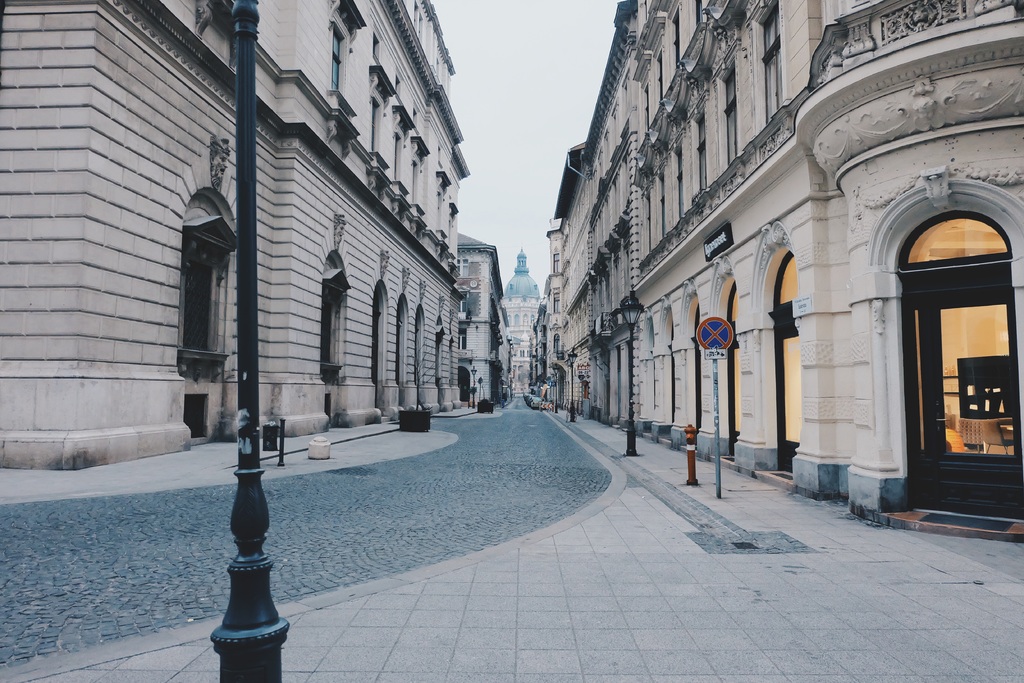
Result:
x=936 y=183
x=860 y=40
x=1000 y=178
x=986 y=6
x=339 y=229
x=878 y=315
x=385 y=257
x=927 y=105
x=423 y=290
x=204 y=15
x=406 y=272
x=220 y=151
x=918 y=16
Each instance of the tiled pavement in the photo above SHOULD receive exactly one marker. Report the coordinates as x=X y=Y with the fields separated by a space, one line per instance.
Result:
x=622 y=592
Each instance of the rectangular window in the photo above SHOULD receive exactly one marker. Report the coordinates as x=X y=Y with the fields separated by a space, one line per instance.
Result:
x=398 y=157
x=698 y=7
x=556 y=263
x=462 y=341
x=336 y=61
x=198 y=306
x=556 y=305
x=374 y=117
x=731 y=132
x=702 y=155
x=415 y=182
x=463 y=272
x=661 y=77
x=647 y=108
x=664 y=216
x=772 y=72
x=676 y=38
x=376 y=48
x=680 y=195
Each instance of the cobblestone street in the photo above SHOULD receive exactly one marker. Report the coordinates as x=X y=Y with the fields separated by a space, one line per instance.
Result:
x=76 y=573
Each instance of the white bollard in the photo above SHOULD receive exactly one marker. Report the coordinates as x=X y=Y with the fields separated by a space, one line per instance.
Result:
x=320 y=449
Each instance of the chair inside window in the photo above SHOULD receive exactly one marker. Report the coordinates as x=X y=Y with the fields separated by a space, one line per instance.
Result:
x=982 y=435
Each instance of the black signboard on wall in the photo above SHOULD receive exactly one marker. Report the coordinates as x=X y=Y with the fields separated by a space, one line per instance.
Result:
x=718 y=242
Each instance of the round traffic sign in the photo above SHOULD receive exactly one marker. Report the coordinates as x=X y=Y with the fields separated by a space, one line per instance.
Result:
x=714 y=333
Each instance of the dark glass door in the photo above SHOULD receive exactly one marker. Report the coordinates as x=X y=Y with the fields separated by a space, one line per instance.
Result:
x=963 y=403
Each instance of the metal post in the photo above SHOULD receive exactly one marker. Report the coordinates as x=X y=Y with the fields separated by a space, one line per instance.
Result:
x=630 y=425
x=280 y=450
x=250 y=637
x=718 y=445
x=572 y=393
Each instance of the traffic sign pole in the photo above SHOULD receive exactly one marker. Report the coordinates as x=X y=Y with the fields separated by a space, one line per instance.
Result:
x=718 y=444
x=715 y=336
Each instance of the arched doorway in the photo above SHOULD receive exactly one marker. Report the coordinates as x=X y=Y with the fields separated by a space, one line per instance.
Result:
x=789 y=397
x=732 y=369
x=464 y=382
x=378 y=343
x=961 y=368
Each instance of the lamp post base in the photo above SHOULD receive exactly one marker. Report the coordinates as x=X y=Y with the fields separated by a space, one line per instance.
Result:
x=631 y=441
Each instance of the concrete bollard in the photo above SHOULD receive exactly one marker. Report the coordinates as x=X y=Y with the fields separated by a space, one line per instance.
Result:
x=691 y=454
x=320 y=449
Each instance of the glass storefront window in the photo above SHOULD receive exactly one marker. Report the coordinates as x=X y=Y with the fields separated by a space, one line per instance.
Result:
x=787 y=288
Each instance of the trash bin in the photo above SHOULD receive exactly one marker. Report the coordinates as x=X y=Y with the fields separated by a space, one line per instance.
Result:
x=484 y=406
x=271 y=435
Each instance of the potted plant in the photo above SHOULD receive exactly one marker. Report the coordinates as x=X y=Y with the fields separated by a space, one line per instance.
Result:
x=418 y=419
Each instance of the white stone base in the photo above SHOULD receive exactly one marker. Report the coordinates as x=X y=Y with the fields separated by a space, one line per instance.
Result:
x=53 y=450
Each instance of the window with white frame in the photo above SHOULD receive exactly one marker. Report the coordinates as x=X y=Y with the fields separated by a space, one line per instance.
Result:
x=731 y=124
x=556 y=263
x=374 y=124
x=770 y=59
x=337 y=52
x=702 y=154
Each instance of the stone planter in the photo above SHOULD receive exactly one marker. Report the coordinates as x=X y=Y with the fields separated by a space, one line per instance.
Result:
x=414 y=421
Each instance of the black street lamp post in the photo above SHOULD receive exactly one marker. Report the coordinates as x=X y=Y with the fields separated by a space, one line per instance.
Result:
x=631 y=309
x=250 y=637
x=472 y=390
x=559 y=355
x=572 y=387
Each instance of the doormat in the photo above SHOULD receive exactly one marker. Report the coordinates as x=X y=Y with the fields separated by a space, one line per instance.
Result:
x=967 y=522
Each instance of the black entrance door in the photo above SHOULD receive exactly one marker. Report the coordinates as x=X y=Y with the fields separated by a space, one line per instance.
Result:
x=964 y=404
x=961 y=370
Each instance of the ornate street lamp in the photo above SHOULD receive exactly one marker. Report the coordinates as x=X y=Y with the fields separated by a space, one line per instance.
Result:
x=472 y=390
x=250 y=637
x=511 y=374
x=572 y=387
x=559 y=355
x=631 y=309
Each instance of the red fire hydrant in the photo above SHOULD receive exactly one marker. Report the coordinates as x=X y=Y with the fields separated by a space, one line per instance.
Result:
x=691 y=455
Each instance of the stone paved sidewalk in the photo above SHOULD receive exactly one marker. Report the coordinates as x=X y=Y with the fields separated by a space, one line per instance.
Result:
x=623 y=592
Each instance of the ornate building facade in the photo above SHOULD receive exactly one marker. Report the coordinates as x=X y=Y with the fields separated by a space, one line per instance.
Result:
x=852 y=204
x=522 y=297
x=117 y=233
x=483 y=345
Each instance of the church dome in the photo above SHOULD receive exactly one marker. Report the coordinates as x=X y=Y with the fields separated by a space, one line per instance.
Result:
x=521 y=283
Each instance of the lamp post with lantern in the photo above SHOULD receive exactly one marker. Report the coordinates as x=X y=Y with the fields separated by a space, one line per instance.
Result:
x=631 y=308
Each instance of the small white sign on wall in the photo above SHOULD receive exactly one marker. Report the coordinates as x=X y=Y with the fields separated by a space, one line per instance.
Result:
x=802 y=306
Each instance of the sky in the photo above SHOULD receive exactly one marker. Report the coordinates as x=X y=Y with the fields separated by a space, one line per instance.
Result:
x=526 y=80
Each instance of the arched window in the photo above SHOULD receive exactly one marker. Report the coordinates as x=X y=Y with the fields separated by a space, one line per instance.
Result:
x=733 y=371
x=400 y=340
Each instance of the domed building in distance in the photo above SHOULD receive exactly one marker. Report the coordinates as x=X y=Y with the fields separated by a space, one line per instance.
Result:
x=521 y=301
